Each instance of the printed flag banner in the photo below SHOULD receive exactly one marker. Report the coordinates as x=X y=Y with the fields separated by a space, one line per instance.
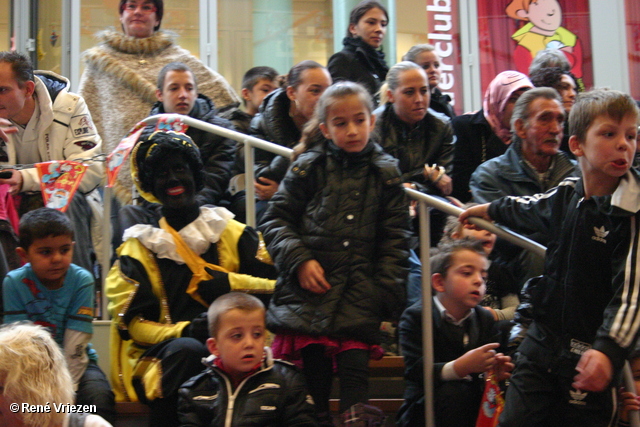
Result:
x=115 y=160
x=492 y=402
x=171 y=122
x=59 y=181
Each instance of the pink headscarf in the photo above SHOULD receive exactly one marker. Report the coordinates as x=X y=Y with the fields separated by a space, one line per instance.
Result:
x=496 y=97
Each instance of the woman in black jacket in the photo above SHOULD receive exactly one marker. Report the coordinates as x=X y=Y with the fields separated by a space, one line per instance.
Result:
x=425 y=56
x=422 y=142
x=362 y=59
x=280 y=120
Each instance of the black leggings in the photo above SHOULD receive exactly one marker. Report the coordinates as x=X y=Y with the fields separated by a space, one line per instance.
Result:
x=353 y=372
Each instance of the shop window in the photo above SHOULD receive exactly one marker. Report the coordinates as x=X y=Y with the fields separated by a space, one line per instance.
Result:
x=276 y=33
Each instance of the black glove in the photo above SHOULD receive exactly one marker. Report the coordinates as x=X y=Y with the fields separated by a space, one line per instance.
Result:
x=198 y=329
x=218 y=285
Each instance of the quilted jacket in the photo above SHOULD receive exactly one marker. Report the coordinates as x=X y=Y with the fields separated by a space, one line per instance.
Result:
x=349 y=212
x=273 y=123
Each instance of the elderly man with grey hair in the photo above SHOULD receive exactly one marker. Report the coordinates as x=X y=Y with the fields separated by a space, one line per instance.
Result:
x=532 y=164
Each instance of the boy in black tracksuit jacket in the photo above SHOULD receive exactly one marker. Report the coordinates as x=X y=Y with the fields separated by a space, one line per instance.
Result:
x=585 y=306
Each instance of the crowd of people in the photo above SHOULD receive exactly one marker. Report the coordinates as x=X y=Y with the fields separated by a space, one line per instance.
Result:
x=218 y=323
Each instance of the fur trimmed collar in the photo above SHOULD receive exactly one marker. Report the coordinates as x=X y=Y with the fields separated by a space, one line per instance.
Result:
x=100 y=58
x=116 y=40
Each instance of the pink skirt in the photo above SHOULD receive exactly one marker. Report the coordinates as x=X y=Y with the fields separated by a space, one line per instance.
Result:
x=287 y=347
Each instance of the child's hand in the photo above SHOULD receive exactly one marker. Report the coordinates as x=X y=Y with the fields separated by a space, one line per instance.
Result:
x=594 y=371
x=628 y=402
x=503 y=367
x=311 y=277
x=475 y=361
x=481 y=211
x=265 y=188
x=445 y=185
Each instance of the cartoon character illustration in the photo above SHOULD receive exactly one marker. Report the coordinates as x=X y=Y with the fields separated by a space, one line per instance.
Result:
x=38 y=306
x=171 y=123
x=543 y=31
x=117 y=158
x=58 y=198
x=54 y=172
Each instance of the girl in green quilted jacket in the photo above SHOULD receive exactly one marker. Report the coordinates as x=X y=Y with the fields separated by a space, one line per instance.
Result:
x=338 y=231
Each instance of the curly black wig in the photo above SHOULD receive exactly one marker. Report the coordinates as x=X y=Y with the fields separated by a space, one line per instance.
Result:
x=154 y=146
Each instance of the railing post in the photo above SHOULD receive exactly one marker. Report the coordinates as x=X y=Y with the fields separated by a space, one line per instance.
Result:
x=249 y=189
x=427 y=317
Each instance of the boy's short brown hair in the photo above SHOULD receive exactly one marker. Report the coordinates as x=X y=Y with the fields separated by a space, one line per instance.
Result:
x=599 y=102
x=441 y=260
x=227 y=302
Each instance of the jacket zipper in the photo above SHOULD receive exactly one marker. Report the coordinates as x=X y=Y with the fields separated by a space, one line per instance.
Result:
x=232 y=397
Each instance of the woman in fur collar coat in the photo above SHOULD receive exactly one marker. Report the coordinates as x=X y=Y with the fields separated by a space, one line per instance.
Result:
x=119 y=80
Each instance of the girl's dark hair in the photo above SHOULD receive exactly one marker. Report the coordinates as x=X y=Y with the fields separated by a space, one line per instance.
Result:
x=159 y=4
x=551 y=77
x=294 y=78
x=311 y=134
x=360 y=9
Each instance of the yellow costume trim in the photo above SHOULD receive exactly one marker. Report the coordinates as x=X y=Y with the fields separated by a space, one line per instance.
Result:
x=195 y=263
x=121 y=289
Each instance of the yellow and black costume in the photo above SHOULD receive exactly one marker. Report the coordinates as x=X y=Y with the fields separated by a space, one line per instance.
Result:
x=164 y=279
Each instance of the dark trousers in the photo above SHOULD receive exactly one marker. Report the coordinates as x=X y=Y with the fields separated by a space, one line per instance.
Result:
x=353 y=371
x=537 y=397
x=457 y=403
x=181 y=360
x=94 y=389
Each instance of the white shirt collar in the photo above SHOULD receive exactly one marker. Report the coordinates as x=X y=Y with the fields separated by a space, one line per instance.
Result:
x=444 y=314
x=627 y=194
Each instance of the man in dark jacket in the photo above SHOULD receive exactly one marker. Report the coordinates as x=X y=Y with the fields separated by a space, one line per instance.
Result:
x=177 y=93
x=532 y=164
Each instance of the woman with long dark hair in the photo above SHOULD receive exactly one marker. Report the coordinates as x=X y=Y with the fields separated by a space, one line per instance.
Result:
x=362 y=59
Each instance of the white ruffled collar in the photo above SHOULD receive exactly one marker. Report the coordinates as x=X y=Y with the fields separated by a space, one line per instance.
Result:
x=198 y=235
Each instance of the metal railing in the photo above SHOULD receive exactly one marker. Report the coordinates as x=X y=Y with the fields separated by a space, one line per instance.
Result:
x=425 y=200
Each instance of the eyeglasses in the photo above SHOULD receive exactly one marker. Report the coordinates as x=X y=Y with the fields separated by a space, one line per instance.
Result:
x=144 y=7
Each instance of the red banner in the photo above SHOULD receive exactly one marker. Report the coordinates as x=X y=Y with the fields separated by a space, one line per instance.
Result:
x=444 y=34
x=632 y=18
x=59 y=181
x=512 y=32
x=492 y=402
